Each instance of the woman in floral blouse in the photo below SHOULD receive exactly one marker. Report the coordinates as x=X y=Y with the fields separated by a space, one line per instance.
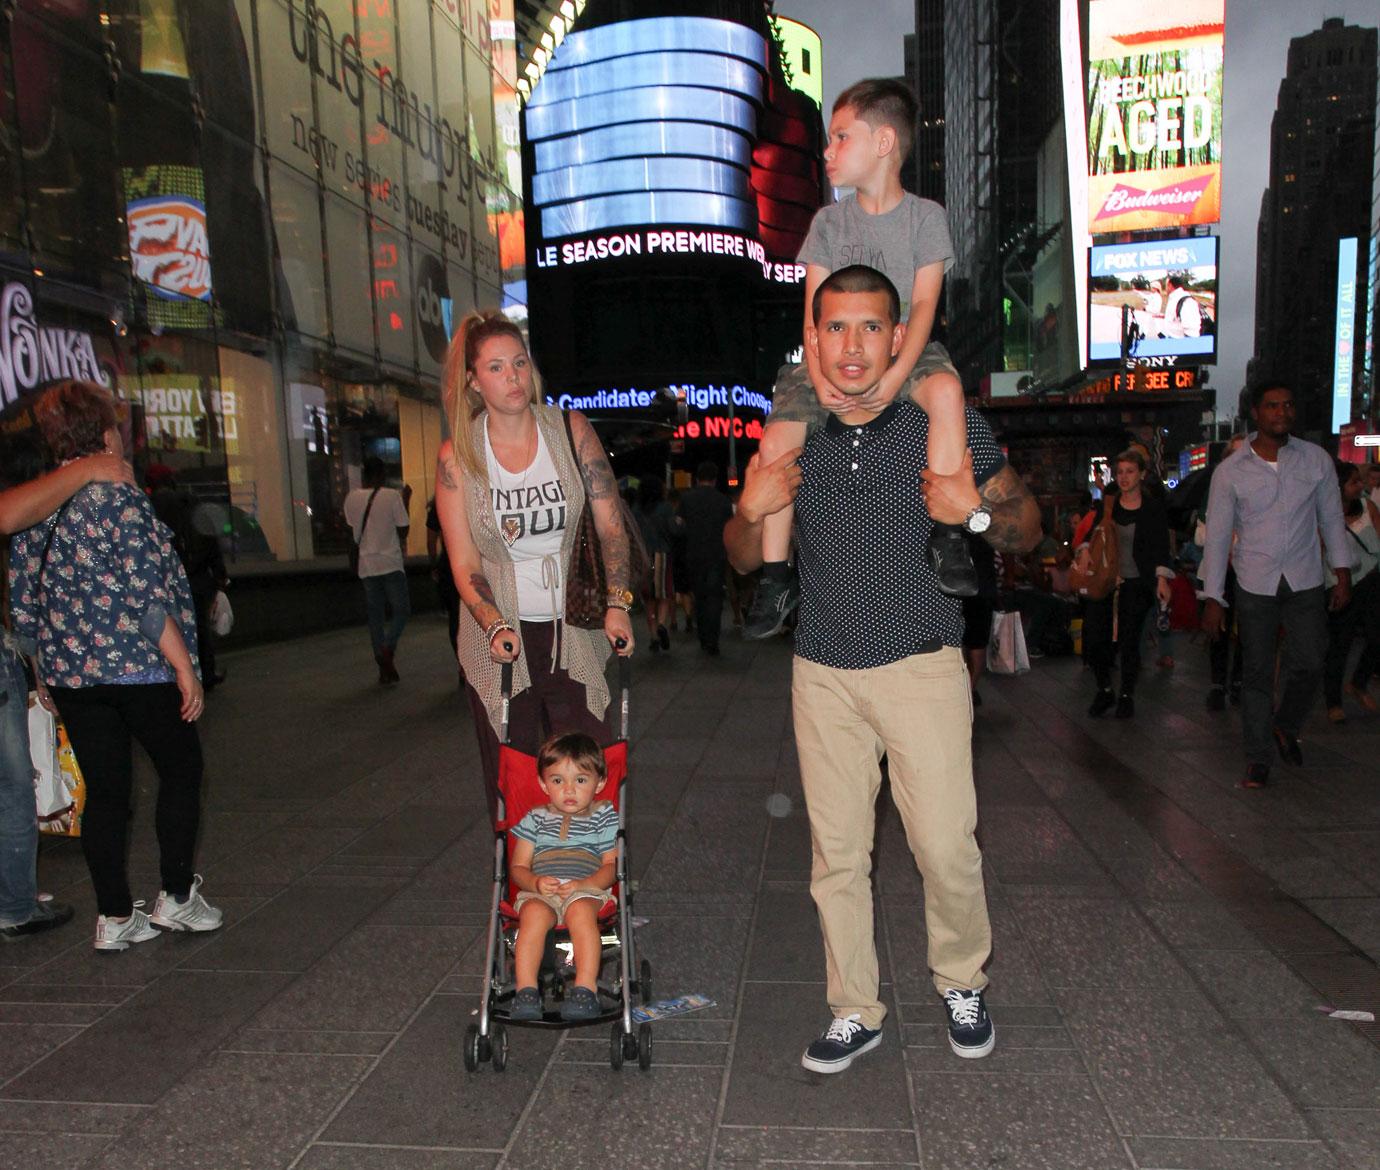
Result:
x=100 y=598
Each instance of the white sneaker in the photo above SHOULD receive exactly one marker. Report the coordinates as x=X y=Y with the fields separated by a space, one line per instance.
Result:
x=116 y=936
x=193 y=914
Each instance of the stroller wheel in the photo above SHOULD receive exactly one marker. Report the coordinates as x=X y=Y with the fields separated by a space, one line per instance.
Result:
x=499 y=1047
x=616 y=1048
x=630 y=1046
x=644 y=981
x=644 y=1047
x=470 y=1050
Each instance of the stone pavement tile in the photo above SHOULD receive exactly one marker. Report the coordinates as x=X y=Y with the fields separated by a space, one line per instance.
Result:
x=581 y=1048
x=325 y=1156
x=1252 y=983
x=79 y=1014
x=371 y=981
x=1023 y=837
x=768 y=1087
x=239 y=1110
x=1035 y=1123
x=1323 y=1062
x=742 y=1145
x=1354 y=1135
x=788 y=946
x=1355 y=850
x=279 y=856
x=1199 y=925
x=23 y=1044
x=62 y=1116
x=137 y=1054
x=419 y=831
x=1096 y=943
x=398 y=1102
x=695 y=953
x=1004 y=1059
x=680 y=753
x=67 y=1151
x=295 y=930
x=1356 y=919
x=587 y=1117
x=1167 y=1064
x=1018 y=1027
x=1200 y=1154
x=1302 y=873
x=308 y=1042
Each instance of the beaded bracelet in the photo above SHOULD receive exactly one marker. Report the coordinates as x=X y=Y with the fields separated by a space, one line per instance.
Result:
x=496 y=627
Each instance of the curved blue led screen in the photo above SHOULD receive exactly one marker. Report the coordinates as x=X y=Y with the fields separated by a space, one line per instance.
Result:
x=645 y=123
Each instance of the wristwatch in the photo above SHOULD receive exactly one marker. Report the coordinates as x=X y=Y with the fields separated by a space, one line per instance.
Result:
x=622 y=598
x=979 y=520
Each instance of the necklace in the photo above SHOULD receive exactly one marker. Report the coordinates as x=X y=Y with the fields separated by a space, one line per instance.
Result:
x=511 y=527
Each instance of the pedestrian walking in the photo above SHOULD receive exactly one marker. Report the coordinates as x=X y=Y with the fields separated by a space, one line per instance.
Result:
x=657 y=522
x=378 y=521
x=511 y=485
x=1143 y=575
x=703 y=512
x=1361 y=615
x=101 y=599
x=1274 y=496
x=1224 y=653
x=879 y=663
x=27 y=498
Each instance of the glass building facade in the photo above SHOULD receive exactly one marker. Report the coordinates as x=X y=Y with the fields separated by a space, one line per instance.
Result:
x=258 y=220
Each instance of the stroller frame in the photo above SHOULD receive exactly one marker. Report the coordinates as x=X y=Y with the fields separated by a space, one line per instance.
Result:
x=487 y=1040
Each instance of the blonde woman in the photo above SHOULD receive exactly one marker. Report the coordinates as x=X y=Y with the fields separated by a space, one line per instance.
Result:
x=509 y=493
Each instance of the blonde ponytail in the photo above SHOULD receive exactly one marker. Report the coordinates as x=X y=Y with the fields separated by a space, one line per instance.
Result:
x=462 y=402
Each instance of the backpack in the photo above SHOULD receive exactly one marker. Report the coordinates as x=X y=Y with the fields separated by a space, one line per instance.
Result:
x=1093 y=573
x=1207 y=326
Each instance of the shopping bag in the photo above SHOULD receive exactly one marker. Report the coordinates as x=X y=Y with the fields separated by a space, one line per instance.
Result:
x=59 y=790
x=222 y=616
x=1006 y=652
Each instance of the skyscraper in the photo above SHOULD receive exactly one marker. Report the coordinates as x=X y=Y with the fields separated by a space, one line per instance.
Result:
x=1321 y=159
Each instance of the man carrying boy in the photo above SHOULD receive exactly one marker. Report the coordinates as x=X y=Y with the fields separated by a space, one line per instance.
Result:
x=878 y=665
x=907 y=238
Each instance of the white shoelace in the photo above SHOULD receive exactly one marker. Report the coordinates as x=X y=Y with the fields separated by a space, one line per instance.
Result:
x=843 y=1028
x=963 y=1008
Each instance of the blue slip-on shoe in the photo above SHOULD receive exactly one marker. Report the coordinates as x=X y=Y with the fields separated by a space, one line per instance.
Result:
x=842 y=1043
x=971 y=1033
x=580 y=1004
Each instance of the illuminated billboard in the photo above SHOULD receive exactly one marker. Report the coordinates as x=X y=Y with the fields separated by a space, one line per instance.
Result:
x=1170 y=286
x=1344 y=351
x=1154 y=114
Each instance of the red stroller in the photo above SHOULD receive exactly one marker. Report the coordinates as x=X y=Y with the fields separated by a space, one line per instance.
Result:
x=621 y=975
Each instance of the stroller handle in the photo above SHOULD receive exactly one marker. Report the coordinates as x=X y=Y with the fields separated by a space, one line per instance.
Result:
x=624 y=686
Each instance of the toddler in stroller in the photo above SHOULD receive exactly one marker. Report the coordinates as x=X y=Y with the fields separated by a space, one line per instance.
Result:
x=560 y=855
x=564 y=862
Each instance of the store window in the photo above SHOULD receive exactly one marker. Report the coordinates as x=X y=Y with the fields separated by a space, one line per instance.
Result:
x=260 y=508
x=297 y=221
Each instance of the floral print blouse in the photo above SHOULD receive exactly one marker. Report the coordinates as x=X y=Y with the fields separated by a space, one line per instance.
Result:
x=96 y=610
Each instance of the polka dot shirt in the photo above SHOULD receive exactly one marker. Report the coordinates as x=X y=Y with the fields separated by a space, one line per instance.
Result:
x=868 y=591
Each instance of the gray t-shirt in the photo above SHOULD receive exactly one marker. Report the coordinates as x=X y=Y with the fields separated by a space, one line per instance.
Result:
x=1125 y=549
x=911 y=236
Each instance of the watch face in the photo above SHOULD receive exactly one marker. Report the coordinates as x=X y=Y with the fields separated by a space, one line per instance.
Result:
x=979 y=522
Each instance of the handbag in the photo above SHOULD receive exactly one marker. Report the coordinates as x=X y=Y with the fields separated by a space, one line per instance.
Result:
x=1093 y=575
x=59 y=789
x=222 y=616
x=1006 y=649
x=586 y=587
x=354 y=544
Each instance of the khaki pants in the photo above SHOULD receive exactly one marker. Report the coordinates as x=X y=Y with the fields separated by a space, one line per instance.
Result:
x=919 y=712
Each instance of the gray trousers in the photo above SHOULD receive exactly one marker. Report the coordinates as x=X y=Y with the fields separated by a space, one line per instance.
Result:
x=1259 y=617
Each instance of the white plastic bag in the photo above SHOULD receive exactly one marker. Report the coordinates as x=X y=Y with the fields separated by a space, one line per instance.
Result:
x=222 y=616
x=1006 y=652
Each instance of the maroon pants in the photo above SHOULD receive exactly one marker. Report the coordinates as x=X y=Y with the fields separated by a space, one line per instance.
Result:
x=553 y=705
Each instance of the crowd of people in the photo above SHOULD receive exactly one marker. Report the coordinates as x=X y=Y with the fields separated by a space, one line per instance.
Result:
x=538 y=558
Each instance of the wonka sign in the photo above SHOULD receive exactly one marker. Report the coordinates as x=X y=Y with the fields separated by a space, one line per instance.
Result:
x=32 y=355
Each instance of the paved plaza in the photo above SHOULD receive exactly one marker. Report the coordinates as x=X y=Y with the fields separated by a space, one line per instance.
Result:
x=1164 y=942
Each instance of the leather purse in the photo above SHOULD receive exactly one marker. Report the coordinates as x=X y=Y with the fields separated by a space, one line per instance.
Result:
x=586 y=587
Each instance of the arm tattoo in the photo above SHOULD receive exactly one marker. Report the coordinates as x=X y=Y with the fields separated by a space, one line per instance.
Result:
x=594 y=466
x=485 y=609
x=602 y=489
x=444 y=476
x=617 y=554
x=1015 y=515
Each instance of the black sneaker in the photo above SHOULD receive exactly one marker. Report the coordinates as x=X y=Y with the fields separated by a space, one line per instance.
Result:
x=1217 y=699
x=772 y=604
x=1125 y=707
x=1103 y=703
x=971 y=1033
x=842 y=1043
x=47 y=915
x=526 y=1004
x=1289 y=750
x=663 y=637
x=1257 y=776
x=953 y=564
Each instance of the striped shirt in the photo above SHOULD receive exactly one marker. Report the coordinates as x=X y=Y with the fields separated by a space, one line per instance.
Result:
x=570 y=848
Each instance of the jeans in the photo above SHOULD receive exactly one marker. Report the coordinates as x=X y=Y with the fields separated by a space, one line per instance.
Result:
x=1361 y=615
x=707 y=584
x=386 y=595
x=1219 y=649
x=1134 y=599
x=1258 y=618
x=18 y=818
x=102 y=721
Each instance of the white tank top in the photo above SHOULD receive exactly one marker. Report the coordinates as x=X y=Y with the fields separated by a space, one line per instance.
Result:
x=530 y=512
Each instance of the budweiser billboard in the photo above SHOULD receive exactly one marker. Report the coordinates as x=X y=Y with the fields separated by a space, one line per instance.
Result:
x=1154 y=114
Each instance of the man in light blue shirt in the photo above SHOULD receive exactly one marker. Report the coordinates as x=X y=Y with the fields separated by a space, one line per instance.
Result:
x=1274 y=496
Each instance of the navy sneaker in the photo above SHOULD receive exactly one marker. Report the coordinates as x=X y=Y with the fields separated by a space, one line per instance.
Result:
x=842 y=1043
x=772 y=604
x=954 y=571
x=971 y=1033
x=526 y=1004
